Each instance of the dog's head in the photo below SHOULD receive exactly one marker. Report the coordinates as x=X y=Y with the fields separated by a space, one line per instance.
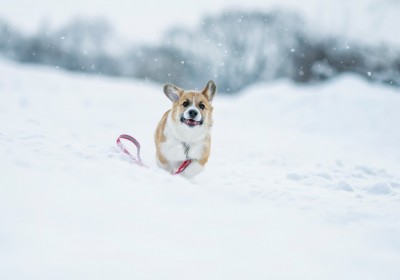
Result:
x=192 y=108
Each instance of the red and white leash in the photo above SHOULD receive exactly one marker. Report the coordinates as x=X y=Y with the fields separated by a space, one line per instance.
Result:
x=183 y=166
x=138 y=160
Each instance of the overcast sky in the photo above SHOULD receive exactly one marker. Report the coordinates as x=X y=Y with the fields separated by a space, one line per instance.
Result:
x=145 y=20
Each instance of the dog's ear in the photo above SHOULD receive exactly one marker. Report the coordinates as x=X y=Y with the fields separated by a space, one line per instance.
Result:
x=210 y=90
x=173 y=92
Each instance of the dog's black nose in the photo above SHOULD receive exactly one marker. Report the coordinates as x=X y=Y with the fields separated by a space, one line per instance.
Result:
x=193 y=113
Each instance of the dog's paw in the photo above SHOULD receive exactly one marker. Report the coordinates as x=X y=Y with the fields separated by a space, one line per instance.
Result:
x=193 y=169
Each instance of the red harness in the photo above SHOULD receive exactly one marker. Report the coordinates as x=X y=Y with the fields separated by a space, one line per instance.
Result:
x=138 y=160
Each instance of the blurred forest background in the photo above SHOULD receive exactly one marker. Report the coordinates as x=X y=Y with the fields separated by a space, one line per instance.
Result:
x=235 y=48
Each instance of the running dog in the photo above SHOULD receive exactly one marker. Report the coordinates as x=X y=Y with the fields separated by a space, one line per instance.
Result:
x=183 y=134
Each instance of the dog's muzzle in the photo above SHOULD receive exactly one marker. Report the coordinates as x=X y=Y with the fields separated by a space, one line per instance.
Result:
x=191 y=122
x=192 y=117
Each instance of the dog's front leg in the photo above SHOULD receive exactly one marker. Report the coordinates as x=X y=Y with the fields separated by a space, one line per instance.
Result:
x=193 y=169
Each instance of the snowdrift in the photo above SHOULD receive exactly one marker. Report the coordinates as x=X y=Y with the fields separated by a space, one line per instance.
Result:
x=303 y=183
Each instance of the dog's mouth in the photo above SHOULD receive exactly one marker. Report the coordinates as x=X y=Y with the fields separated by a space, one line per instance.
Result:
x=191 y=122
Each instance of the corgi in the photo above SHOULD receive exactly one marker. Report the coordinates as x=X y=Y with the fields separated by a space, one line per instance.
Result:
x=183 y=133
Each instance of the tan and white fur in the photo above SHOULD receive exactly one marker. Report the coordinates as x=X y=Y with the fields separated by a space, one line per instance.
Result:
x=184 y=130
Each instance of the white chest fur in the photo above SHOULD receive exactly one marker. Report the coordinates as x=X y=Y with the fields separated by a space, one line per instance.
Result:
x=179 y=137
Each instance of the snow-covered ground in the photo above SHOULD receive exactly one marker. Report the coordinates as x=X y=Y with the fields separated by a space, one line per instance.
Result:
x=303 y=183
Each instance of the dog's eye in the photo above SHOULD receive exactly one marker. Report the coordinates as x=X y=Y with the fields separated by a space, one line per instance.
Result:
x=185 y=104
x=202 y=106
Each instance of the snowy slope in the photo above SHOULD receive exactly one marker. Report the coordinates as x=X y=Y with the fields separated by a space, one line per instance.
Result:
x=303 y=183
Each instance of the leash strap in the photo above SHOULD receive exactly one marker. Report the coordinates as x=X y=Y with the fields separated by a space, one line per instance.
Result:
x=138 y=160
x=183 y=166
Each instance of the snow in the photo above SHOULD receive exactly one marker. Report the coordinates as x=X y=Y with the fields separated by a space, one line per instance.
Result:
x=303 y=183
